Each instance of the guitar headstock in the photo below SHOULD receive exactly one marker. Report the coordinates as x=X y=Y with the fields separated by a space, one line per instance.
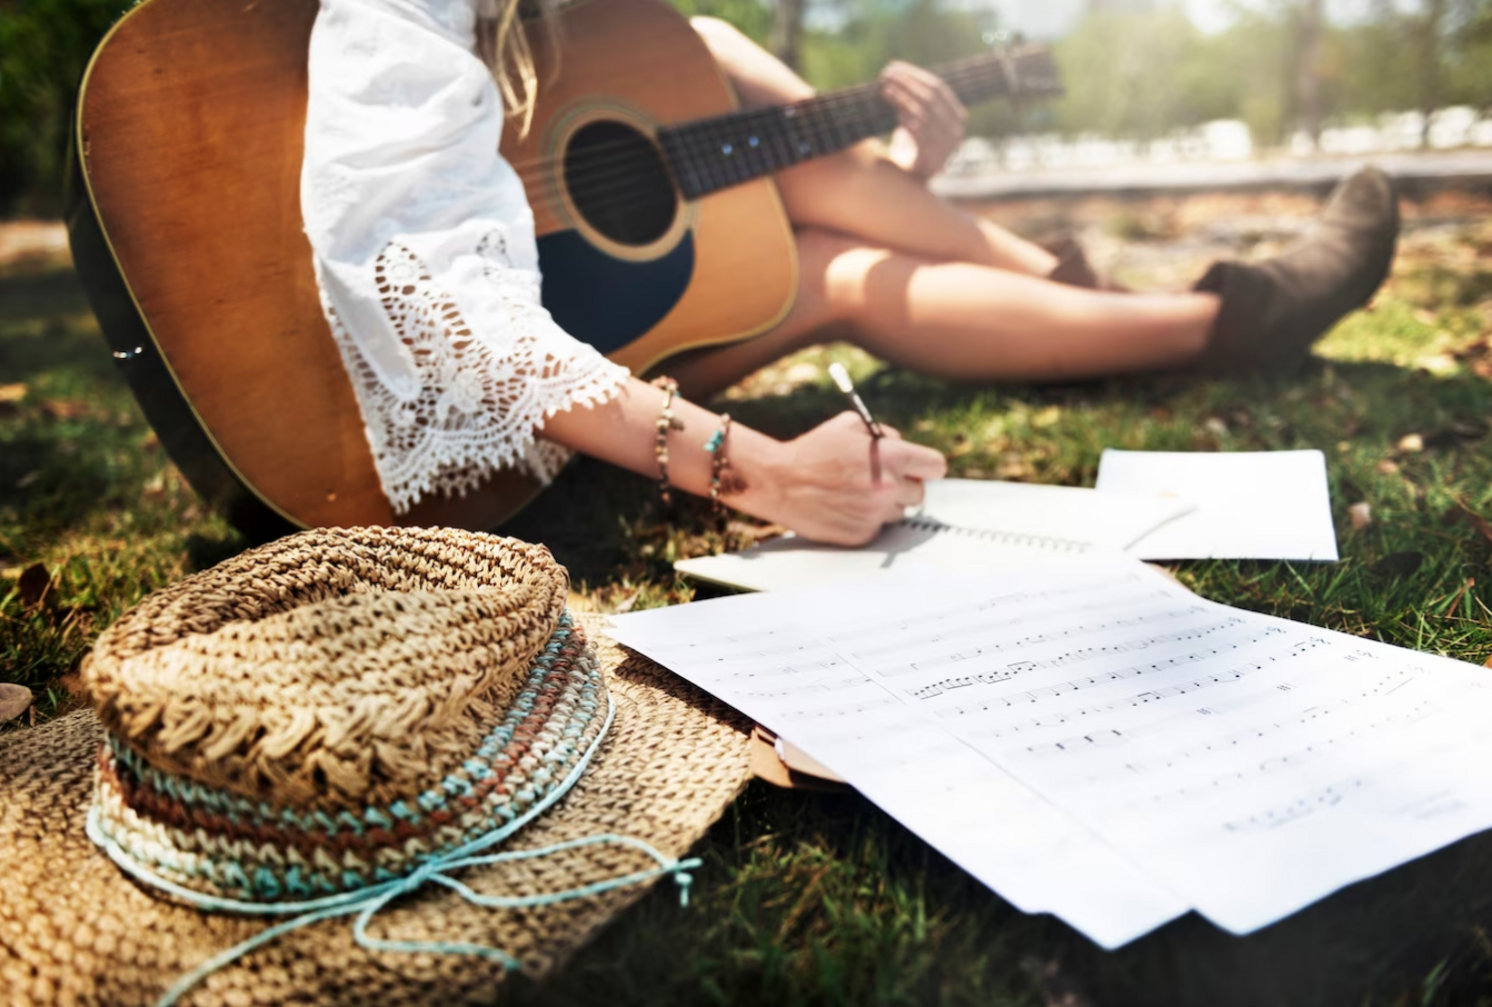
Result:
x=1030 y=71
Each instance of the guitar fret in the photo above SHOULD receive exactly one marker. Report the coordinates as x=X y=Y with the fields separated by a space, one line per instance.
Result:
x=717 y=153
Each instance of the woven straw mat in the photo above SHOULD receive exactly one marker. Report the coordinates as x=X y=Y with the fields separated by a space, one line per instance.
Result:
x=73 y=929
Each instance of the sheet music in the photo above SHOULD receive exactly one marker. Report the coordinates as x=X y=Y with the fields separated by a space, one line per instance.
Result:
x=753 y=652
x=1179 y=753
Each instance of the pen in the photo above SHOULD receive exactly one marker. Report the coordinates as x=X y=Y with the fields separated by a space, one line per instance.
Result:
x=842 y=379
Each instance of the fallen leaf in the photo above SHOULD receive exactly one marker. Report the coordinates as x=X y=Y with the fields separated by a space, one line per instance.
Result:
x=1411 y=443
x=13 y=393
x=1361 y=514
x=1012 y=466
x=1478 y=522
x=14 y=700
x=756 y=532
x=26 y=481
x=1216 y=426
x=33 y=584
x=1388 y=468
x=64 y=409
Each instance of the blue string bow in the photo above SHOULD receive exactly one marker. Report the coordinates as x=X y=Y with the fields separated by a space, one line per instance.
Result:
x=368 y=902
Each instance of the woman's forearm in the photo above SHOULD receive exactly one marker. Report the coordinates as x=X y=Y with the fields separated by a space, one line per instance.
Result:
x=624 y=431
x=835 y=483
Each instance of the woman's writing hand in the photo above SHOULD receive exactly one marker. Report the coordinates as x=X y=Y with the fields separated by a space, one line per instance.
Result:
x=930 y=118
x=839 y=485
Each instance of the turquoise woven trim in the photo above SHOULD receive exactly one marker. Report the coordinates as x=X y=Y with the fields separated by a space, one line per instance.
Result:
x=355 y=869
x=368 y=902
x=192 y=793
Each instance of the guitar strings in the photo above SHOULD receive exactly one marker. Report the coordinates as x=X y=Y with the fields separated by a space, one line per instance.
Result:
x=816 y=123
x=809 y=108
x=818 y=127
x=955 y=74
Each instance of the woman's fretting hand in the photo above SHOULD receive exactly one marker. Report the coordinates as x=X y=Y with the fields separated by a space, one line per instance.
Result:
x=837 y=484
x=930 y=118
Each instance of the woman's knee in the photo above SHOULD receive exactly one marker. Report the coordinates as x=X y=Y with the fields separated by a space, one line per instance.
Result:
x=758 y=77
x=834 y=270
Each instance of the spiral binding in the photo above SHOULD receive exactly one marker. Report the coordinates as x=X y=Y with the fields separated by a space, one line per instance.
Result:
x=1052 y=543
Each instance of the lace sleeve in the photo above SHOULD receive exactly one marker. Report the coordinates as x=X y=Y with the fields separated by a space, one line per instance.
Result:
x=425 y=257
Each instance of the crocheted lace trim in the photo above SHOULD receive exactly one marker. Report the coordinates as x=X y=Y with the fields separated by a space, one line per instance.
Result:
x=482 y=396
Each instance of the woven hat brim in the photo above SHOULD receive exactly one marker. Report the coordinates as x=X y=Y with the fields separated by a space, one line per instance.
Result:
x=74 y=929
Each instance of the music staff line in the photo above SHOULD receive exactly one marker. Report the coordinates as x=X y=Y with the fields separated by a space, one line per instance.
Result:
x=1291 y=760
x=965 y=622
x=1136 y=700
x=1236 y=703
x=1010 y=671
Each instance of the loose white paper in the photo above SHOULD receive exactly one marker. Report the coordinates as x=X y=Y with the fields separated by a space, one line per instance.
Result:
x=771 y=656
x=971 y=525
x=1102 y=744
x=1249 y=504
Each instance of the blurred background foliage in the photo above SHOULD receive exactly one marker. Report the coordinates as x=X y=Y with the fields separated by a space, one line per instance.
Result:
x=44 y=46
x=1135 y=69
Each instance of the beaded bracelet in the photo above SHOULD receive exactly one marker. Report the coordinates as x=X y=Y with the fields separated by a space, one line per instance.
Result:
x=666 y=422
x=719 y=463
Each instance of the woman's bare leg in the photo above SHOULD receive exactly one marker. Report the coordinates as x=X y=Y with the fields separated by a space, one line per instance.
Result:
x=859 y=191
x=960 y=321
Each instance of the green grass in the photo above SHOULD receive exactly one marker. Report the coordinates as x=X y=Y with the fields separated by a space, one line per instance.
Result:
x=820 y=898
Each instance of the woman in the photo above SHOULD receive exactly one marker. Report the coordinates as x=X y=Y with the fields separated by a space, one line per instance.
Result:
x=424 y=253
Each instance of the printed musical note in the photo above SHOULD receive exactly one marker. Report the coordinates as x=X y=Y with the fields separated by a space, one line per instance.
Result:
x=1285 y=814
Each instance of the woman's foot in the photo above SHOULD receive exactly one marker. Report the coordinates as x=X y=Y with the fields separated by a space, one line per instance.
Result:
x=1273 y=311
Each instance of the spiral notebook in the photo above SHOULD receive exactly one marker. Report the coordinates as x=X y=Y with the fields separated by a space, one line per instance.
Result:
x=968 y=525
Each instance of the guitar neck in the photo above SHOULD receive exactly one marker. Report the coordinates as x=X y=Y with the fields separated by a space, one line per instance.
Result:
x=713 y=154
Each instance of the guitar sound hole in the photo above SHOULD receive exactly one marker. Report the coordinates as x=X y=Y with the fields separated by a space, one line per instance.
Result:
x=619 y=184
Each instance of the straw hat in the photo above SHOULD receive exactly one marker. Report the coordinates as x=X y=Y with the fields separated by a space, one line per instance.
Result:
x=344 y=712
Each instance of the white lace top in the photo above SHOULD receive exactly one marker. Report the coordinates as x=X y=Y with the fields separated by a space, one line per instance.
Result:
x=424 y=250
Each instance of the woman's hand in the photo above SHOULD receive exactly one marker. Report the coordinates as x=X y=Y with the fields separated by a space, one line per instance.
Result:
x=833 y=484
x=837 y=484
x=930 y=117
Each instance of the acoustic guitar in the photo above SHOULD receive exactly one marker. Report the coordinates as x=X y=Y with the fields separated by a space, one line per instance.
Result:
x=659 y=229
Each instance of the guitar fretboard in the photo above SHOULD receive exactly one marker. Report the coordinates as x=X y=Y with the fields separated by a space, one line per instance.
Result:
x=713 y=154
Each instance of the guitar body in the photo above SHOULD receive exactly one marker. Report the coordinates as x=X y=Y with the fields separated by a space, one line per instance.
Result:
x=671 y=274
x=185 y=222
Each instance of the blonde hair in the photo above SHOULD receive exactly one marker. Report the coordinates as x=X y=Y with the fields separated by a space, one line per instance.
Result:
x=503 y=45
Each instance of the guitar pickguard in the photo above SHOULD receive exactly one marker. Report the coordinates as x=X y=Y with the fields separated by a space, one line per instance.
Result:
x=606 y=301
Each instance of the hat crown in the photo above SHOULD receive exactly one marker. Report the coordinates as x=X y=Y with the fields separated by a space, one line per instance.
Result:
x=330 y=669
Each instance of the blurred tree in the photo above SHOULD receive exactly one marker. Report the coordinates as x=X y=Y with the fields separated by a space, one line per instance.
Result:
x=1143 y=75
x=1469 y=73
x=752 y=17
x=1378 y=68
x=44 y=46
x=787 y=31
x=1308 y=69
x=1429 y=48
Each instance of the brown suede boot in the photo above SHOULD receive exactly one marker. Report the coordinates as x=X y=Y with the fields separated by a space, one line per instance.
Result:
x=1272 y=311
x=1074 y=269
